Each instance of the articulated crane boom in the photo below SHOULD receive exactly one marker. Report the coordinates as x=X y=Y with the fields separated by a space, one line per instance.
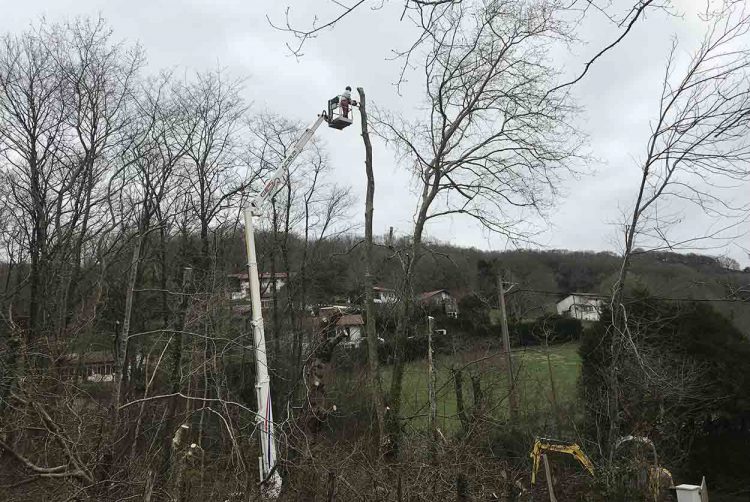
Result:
x=278 y=179
x=267 y=462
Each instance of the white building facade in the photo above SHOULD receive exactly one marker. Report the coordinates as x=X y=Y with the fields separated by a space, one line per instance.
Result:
x=240 y=286
x=384 y=295
x=581 y=306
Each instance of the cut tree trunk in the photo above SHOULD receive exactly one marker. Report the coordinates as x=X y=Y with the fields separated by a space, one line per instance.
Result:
x=175 y=377
x=376 y=384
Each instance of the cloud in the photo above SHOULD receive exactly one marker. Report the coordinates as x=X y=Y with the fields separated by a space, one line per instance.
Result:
x=619 y=96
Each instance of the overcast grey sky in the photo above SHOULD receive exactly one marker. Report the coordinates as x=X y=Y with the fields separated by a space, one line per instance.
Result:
x=619 y=96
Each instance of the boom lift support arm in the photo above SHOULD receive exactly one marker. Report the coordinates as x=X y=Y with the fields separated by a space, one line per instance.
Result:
x=278 y=179
x=269 y=476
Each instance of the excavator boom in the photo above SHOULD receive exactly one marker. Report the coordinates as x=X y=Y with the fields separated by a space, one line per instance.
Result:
x=543 y=445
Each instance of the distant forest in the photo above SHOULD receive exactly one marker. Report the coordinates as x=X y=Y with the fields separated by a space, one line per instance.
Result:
x=541 y=277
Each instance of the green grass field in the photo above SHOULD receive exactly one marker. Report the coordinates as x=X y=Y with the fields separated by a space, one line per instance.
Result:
x=533 y=374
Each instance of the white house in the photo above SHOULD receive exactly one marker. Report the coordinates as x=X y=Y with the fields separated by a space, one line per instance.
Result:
x=240 y=286
x=384 y=295
x=351 y=325
x=583 y=306
x=95 y=366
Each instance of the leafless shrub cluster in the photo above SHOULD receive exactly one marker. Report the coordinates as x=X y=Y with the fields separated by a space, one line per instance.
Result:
x=120 y=194
x=697 y=150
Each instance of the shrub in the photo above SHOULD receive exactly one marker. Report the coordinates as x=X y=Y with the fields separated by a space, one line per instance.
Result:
x=556 y=328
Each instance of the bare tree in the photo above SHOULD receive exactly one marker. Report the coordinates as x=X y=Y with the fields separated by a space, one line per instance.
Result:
x=426 y=16
x=698 y=145
x=66 y=92
x=99 y=79
x=150 y=187
x=66 y=96
x=31 y=132
x=494 y=138
x=214 y=113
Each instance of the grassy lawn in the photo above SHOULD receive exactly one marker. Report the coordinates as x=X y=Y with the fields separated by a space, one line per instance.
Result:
x=535 y=389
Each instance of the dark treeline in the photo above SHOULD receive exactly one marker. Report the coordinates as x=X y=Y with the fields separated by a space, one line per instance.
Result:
x=120 y=200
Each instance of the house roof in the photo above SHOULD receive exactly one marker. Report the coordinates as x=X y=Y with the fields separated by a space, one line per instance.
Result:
x=350 y=320
x=315 y=322
x=93 y=357
x=429 y=294
x=262 y=275
x=268 y=275
x=590 y=296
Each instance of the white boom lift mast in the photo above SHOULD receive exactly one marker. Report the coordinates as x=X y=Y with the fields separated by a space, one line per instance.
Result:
x=267 y=462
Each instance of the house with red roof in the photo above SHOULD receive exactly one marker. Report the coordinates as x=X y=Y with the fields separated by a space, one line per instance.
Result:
x=439 y=299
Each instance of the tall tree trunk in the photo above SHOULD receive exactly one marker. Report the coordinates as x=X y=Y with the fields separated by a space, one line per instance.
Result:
x=458 y=381
x=276 y=360
x=205 y=261
x=294 y=371
x=122 y=338
x=617 y=326
x=37 y=250
x=175 y=379
x=404 y=328
x=376 y=383
x=71 y=277
x=407 y=310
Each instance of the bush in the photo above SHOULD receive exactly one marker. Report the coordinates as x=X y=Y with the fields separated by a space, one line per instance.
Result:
x=699 y=378
x=415 y=347
x=557 y=328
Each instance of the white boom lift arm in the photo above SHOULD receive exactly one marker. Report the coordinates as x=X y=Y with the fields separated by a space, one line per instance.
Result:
x=278 y=179
x=267 y=462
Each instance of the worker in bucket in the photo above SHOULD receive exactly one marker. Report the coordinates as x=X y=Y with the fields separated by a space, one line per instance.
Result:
x=346 y=99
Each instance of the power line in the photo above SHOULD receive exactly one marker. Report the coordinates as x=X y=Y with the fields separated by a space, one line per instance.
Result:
x=655 y=297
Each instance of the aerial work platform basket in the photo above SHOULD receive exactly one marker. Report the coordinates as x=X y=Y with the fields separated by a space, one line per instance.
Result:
x=340 y=112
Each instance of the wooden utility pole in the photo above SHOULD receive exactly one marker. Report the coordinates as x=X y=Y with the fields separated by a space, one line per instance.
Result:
x=553 y=389
x=431 y=387
x=512 y=389
x=371 y=335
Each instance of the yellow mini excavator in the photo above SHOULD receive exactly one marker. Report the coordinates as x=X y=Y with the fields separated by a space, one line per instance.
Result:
x=658 y=478
x=544 y=445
